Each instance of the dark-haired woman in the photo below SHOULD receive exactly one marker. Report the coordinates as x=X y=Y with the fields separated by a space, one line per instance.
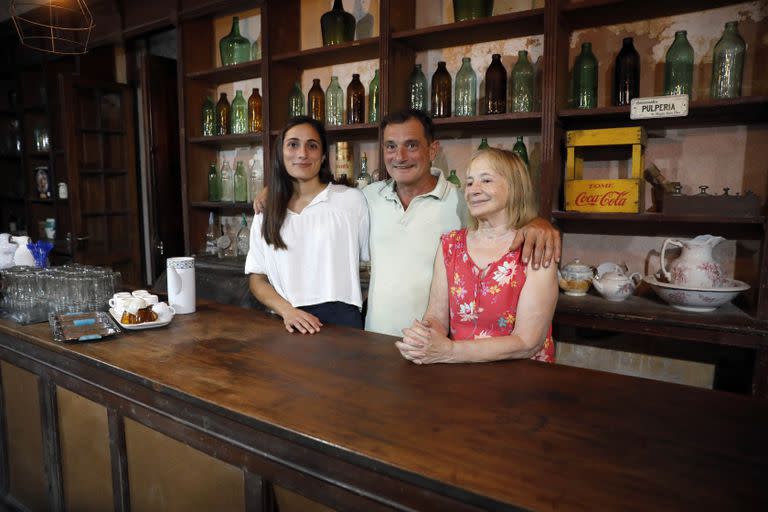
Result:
x=307 y=245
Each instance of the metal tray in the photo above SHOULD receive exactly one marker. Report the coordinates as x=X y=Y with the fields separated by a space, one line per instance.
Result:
x=82 y=327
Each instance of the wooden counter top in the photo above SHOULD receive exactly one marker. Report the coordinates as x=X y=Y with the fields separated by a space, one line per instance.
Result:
x=496 y=436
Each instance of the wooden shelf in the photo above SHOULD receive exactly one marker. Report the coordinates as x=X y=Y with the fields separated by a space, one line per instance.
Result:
x=209 y=205
x=743 y=110
x=462 y=127
x=494 y=28
x=353 y=51
x=245 y=139
x=659 y=224
x=228 y=74
x=596 y=13
x=367 y=131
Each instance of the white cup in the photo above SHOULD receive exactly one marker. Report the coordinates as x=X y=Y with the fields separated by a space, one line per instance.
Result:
x=150 y=299
x=164 y=311
x=140 y=293
x=118 y=304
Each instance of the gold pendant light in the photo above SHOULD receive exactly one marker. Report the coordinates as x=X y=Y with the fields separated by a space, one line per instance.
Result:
x=53 y=26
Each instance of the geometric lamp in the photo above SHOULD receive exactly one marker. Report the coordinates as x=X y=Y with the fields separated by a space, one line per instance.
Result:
x=53 y=26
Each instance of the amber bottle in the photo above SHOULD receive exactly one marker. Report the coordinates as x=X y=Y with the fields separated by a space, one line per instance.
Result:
x=316 y=101
x=441 y=92
x=496 y=86
x=355 y=101
x=254 y=111
x=222 y=115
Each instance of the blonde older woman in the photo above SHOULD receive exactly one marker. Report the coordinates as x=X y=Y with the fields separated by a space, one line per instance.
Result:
x=485 y=304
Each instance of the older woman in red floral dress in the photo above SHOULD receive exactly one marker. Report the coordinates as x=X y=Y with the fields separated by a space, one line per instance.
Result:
x=485 y=304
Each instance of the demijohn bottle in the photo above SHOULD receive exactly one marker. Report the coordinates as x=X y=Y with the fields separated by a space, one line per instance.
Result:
x=241 y=183
x=626 y=74
x=454 y=179
x=585 y=78
x=519 y=148
x=522 y=83
x=254 y=111
x=483 y=144
x=238 y=120
x=316 y=101
x=334 y=103
x=496 y=86
x=296 y=101
x=466 y=89
x=233 y=47
x=214 y=184
x=440 y=96
x=417 y=89
x=337 y=25
x=355 y=101
x=678 y=66
x=373 y=99
x=728 y=63
x=208 y=118
x=222 y=115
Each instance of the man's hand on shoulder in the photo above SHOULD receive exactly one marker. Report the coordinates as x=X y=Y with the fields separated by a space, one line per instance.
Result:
x=541 y=243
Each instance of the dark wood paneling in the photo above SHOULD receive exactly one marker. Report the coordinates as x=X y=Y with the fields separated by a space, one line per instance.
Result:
x=119 y=461
x=51 y=452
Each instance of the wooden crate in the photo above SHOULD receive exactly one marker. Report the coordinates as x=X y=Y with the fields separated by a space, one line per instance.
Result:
x=605 y=195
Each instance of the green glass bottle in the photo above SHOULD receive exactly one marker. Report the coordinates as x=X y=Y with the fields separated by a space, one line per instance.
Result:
x=678 y=66
x=417 y=89
x=522 y=83
x=585 y=78
x=454 y=179
x=483 y=144
x=337 y=25
x=296 y=101
x=728 y=63
x=519 y=148
x=256 y=49
x=373 y=99
x=233 y=47
x=241 y=183
x=466 y=89
x=214 y=183
x=208 y=118
x=471 y=9
x=334 y=103
x=239 y=118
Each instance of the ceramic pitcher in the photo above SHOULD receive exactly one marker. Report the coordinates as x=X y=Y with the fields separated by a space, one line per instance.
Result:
x=181 y=284
x=695 y=267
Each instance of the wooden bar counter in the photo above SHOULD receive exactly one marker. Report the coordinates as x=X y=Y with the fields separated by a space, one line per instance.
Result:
x=223 y=408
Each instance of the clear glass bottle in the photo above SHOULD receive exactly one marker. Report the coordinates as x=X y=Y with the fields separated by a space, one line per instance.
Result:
x=626 y=77
x=243 y=237
x=316 y=101
x=238 y=123
x=210 y=236
x=241 y=183
x=483 y=144
x=334 y=103
x=496 y=86
x=296 y=101
x=520 y=149
x=417 y=89
x=678 y=66
x=373 y=99
x=585 y=78
x=466 y=89
x=222 y=115
x=522 y=83
x=728 y=63
x=255 y=179
x=208 y=118
x=355 y=101
x=454 y=179
x=227 y=183
x=234 y=48
x=256 y=49
x=440 y=93
x=255 y=124
x=214 y=183
x=364 y=179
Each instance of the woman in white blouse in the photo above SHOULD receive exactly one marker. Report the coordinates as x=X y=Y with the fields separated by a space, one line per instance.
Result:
x=306 y=246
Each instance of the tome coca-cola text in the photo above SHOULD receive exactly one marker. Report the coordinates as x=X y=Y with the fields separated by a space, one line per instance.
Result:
x=608 y=198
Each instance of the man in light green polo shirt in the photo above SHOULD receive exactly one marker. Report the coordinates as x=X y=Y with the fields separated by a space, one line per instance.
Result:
x=408 y=213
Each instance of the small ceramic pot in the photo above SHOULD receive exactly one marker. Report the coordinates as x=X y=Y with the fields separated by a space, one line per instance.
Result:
x=575 y=278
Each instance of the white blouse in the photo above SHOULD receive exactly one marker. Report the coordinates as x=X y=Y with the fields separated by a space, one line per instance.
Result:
x=326 y=243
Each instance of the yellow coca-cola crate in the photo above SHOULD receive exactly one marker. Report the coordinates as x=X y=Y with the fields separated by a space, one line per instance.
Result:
x=604 y=195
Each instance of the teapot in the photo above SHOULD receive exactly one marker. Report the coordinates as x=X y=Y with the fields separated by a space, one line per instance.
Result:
x=7 y=250
x=695 y=267
x=575 y=277
x=22 y=255
x=615 y=285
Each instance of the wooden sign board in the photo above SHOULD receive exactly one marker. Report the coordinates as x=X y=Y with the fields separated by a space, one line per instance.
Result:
x=603 y=196
x=659 y=106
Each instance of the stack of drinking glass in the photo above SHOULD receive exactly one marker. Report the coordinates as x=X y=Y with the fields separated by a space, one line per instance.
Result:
x=30 y=294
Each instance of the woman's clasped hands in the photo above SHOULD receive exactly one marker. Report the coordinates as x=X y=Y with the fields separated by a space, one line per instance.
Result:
x=425 y=343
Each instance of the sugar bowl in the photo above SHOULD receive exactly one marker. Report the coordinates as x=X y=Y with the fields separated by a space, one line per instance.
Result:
x=575 y=278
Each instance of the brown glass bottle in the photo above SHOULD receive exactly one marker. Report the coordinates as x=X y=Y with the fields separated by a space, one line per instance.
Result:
x=254 y=111
x=355 y=101
x=222 y=115
x=496 y=86
x=441 y=92
x=316 y=101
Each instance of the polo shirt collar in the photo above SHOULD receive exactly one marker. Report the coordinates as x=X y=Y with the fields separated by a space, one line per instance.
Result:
x=441 y=188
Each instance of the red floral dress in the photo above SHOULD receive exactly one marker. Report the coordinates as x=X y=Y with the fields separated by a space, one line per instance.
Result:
x=484 y=306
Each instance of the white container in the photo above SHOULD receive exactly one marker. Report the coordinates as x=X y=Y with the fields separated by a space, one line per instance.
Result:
x=181 y=284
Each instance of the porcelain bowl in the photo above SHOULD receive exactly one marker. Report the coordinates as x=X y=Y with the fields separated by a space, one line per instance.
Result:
x=699 y=300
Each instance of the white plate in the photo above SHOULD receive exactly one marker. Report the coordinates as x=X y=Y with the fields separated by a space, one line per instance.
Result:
x=138 y=327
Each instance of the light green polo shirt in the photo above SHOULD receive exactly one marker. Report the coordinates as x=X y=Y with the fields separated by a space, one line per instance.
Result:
x=403 y=244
